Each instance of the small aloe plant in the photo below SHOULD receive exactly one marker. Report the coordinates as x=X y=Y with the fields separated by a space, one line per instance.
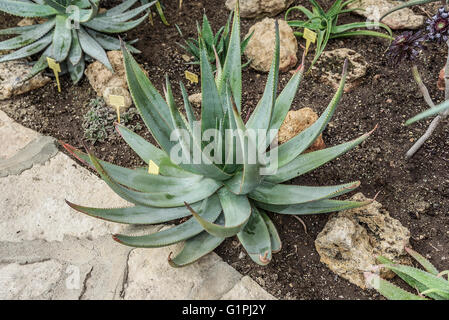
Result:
x=429 y=282
x=73 y=32
x=216 y=45
x=226 y=198
x=325 y=24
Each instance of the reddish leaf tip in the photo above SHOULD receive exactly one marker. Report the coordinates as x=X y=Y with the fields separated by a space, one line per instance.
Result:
x=115 y=238
x=375 y=197
x=264 y=259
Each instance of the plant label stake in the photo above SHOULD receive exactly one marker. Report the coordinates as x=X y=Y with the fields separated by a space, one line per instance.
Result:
x=310 y=37
x=117 y=102
x=153 y=168
x=193 y=78
x=53 y=65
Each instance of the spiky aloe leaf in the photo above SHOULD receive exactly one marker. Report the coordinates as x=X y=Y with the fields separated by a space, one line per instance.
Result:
x=187 y=106
x=111 y=26
x=410 y=281
x=389 y=290
x=309 y=14
x=276 y=244
x=62 y=39
x=298 y=144
x=92 y=48
x=206 y=32
x=341 y=30
x=159 y=199
x=256 y=240
x=140 y=180
x=88 y=15
x=76 y=53
x=231 y=165
x=363 y=33
x=261 y=117
x=144 y=149
x=28 y=37
x=23 y=9
x=125 y=16
x=211 y=211
x=152 y=107
x=108 y=42
x=169 y=169
x=40 y=64
x=57 y=5
x=197 y=247
x=137 y=214
x=423 y=261
x=76 y=70
x=430 y=112
x=17 y=30
x=83 y=4
x=190 y=145
x=317 y=7
x=314 y=207
x=237 y=211
x=249 y=178
x=211 y=108
x=285 y=99
x=282 y=194
x=232 y=69
x=427 y=279
x=28 y=50
x=125 y=5
x=309 y=161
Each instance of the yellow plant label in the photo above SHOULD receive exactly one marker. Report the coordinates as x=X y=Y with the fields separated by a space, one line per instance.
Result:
x=310 y=37
x=53 y=65
x=193 y=78
x=153 y=168
x=117 y=102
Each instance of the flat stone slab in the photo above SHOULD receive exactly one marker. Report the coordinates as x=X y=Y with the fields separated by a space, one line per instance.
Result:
x=33 y=203
x=29 y=280
x=13 y=136
x=150 y=277
x=36 y=152
x=72 y=269
x=50 y=251
x=247 y=289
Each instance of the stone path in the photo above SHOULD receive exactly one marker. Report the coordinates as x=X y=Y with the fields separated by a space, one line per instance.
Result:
x=49 y=251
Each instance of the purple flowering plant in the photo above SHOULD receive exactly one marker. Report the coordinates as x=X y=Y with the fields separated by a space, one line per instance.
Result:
x=407 y=47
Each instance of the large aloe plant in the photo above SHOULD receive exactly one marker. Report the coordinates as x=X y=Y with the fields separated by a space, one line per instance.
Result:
x=225 y=199
x=73 y=32
x=429 y=283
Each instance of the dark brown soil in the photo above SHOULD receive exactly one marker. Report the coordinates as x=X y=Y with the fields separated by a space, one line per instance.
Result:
x=388 y=96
